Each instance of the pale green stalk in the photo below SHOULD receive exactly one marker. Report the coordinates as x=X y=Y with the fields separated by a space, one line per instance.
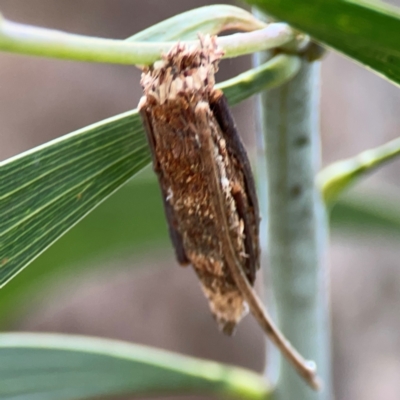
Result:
x=296 y=227
x=31 y=40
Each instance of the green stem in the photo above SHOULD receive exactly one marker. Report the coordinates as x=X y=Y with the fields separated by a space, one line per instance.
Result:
x=297 y=226
x=30 y=40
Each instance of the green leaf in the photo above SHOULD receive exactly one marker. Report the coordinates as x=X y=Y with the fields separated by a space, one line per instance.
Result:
x=275 y=72
x=209 y=19
x=368 y=212
x=120 y=227
x=337 y=177
x=366 y=31
x=58 y=367
x=47 y=190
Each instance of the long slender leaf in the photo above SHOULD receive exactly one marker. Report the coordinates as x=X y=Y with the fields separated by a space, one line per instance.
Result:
x=211 y=19
x=365 y=30
x=368 y=212
x=117 y=229
x=57 y=367
x=46 y=191
x=277 y=71
x=337 y=177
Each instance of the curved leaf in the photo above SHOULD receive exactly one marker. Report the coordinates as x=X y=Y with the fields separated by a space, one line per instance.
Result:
x=211 y=19
x=337 y=177
x=368 y=212
x=58 y=367
x=275 y=72
x=365 y=30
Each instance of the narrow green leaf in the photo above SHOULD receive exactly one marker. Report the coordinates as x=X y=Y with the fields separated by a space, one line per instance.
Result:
x=368 y=212
x=58 y=367
x=44 y=192
x=119 y=228
x=277 y=71
x=338 y=176
x=211 y=19
x=47 y=190
x=366 y=31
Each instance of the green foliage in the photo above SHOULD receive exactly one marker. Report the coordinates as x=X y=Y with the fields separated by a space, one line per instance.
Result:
x=368 y=213
x=338 y=176
x=211 y=19
x=46 y=191
x=366 y=31
x=119 y=227
x=57 y=367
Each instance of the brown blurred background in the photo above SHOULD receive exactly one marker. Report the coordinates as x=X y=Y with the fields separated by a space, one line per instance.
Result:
x=161 y=304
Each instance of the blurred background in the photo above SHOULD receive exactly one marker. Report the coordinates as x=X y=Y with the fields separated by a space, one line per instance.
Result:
x=116 y=276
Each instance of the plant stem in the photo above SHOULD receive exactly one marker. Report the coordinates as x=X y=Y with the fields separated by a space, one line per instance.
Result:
x=31 y=40
x=297 y=226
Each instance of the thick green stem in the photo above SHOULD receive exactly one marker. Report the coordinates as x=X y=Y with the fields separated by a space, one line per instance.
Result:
x=297 y=226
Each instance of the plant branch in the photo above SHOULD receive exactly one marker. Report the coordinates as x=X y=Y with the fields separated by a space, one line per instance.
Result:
x=31 y=40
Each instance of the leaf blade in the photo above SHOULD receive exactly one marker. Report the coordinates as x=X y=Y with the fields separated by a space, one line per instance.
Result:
x=366 y=31
x=212 y=19
x=365 y=212
x=60 y=367
x=340 y=175
x=86 y=186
